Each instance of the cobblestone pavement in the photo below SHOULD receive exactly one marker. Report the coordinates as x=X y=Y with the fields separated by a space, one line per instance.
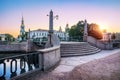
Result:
x=69 y=63
x=104 y=65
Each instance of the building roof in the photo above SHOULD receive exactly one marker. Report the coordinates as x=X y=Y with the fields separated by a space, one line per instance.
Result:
x=39 y=30
x=43 y=30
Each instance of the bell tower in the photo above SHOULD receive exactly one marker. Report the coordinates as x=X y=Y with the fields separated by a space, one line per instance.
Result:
x=22 y=27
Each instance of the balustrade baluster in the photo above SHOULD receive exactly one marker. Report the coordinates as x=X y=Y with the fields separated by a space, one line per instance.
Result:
x=22 y=65
x=4 y=68
x=13 y=73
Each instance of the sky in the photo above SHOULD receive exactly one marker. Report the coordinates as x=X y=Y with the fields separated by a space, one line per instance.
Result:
x=106 y=13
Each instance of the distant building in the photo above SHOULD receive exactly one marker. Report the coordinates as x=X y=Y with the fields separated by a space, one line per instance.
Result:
x=106 y=36
x=40 y=34
x=60 y=29
x=6 y=38
x=117 y=36
x=67 y=32
x=22 y=36
x=2 y=37
x=111 y=36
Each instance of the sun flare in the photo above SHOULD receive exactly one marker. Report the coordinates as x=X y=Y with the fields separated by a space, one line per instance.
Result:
x=103 y=27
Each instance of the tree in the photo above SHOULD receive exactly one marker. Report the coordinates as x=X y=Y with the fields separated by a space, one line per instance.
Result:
x=9 y=37
x=113 y=36
x=0 y=38
x=93 y=30
x=76 y=31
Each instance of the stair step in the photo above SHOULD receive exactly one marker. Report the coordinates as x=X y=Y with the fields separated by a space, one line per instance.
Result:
x=80 y=52
x=77 y=54
x=77 y=48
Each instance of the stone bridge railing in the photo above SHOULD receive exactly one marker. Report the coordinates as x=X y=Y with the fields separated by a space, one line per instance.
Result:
x=50 y=56
x=27 y=46
x=12 y=47
x=104 y=45
x=18 y=66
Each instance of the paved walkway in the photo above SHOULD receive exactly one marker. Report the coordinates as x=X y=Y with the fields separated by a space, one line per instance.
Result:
x=69 y=63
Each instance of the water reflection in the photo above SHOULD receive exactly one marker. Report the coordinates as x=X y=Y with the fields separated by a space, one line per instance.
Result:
x=14 y=66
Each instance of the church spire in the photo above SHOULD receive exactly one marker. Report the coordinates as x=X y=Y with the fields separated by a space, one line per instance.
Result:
x=22 y=22
x=67 y=28
x=22 y=27
x=60 y=29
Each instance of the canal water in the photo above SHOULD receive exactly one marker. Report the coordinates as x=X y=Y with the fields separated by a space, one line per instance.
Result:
x=17 y=65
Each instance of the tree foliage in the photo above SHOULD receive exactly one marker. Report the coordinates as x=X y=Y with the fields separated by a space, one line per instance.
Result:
x=76 y=31
x=0 y=38
x=9 y=37
x=113 y=36
x=93 y=30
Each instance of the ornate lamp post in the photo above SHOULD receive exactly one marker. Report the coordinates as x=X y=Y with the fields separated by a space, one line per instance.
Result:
x=51 y=18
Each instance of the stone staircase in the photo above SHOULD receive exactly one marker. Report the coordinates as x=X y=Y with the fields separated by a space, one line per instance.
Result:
x=77 y=49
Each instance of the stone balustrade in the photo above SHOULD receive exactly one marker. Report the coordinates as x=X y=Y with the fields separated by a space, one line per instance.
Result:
x=104 y=45
x=22 y=65
x=27 y=46
x=12 y=47
x=50 y=57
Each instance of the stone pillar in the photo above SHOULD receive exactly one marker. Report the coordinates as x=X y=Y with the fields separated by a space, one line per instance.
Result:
x=28 y=46
x=51 y=22
x=53 y=40
x=29 y=34
x=85 y=31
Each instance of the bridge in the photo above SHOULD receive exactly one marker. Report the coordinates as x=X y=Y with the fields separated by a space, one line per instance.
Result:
x=18 y=66
x=15 y=67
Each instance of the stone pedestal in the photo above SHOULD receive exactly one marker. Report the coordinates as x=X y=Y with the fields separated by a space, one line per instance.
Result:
x=28 y=46
x=49 y=57
x=53 y=40
x=85 y=38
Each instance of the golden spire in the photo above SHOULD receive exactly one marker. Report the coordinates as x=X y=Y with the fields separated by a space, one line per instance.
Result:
x=22 y=22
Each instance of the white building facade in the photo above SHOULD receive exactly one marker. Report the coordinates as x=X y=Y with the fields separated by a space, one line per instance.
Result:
x=117 y=36
x=106 y=36
x=40 y=34
x=2 y=37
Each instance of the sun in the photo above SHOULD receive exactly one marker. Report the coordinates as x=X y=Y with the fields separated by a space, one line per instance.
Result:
x=103 y=27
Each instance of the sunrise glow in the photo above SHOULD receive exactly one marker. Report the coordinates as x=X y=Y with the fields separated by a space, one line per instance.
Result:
x=106 y=13
x=103 y=27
